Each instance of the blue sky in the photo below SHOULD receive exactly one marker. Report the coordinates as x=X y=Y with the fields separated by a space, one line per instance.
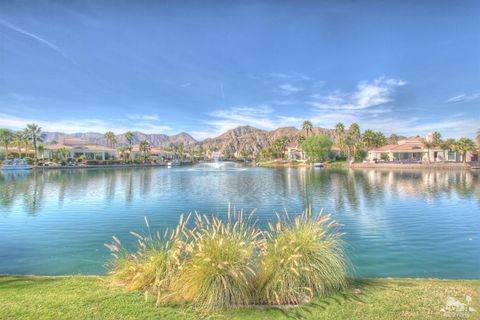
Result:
x=405 y=67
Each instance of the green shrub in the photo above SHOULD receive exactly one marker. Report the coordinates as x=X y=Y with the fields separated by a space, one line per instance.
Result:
x=301 y=258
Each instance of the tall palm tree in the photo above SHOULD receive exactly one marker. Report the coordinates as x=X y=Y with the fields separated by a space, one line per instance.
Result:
x=429 y=145
x=339 y=133
x=6 y=138
x=393 y=139
x=353 y=140
x=307 y=126
x=464 y=145
x=18 y=141
x=369 y=138
x=144 y=148
x=447 y=145
x=436 y=138
x=129 y=139
x=26 y=142
x=34 y=134
x=110 y=138
x=41 y=150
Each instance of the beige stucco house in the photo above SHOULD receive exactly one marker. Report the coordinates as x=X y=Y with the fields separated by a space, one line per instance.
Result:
x=413 y=149
x=78 y=147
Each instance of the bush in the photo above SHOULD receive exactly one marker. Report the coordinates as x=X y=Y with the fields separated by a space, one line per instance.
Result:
x=302 y=258
x=229 y=262
x=221 y=266
x=155 y=264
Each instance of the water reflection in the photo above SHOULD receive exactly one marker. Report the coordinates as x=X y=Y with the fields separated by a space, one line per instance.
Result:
x=397 y=223
x=347 y=189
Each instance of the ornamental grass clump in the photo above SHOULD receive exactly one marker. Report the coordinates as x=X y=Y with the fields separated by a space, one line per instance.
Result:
x=214 y=263
x=223 y=257
x=301 y=258
x=152 y=268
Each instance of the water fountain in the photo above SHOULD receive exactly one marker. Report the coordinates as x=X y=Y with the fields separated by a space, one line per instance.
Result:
x=218 y=165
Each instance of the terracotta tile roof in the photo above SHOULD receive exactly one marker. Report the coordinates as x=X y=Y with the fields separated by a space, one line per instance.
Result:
x=401 y=147
x=93 y=147
x=57 y=147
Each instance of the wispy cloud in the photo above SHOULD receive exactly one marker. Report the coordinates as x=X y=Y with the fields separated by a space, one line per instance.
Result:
x=288 y=89
x=289 y=76
x=372 y=106
x=147 y=117
x=367 y=95
x=33 y=36
x=84 y=125
x=464 y=98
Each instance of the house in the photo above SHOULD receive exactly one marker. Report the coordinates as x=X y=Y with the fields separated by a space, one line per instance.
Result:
x=413 y=149
x=296 y=153
x=75 y=148
x=156 y=154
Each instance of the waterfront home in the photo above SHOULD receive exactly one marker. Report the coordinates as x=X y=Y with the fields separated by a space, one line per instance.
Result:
x=156 y=154
x=296 y=153
x=413 y=149
x=75 y=148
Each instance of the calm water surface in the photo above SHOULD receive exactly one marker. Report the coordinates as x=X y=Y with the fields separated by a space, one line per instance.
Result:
x=397 y=224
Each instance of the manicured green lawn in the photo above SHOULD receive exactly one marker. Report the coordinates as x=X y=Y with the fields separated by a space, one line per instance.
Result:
x=77 y=297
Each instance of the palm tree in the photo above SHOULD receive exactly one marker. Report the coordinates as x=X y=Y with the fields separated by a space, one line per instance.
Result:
x=6 y=138
x=379 y=139
x=464 y=145
x=436 y=138
x=307 y=126
x=478 y=138
x=369 y=138
x=300 y=139
x=339 y=133
x=144 y=148
x=110 y=138
x=447 y=145
x=35 y=135
x=41 y=150
x=18 y=141
x=26 y=142
x=393 y=139
x=353 y=140
x=129 y=138
x=429 y=145
x=123 y=152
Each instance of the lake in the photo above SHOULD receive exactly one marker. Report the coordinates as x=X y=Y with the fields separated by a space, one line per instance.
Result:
x=397 y=223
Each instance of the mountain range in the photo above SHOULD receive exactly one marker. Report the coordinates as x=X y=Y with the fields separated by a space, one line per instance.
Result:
x=243 y=139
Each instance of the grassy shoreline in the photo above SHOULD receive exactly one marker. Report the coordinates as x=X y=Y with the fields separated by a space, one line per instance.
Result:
x=91 y=297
